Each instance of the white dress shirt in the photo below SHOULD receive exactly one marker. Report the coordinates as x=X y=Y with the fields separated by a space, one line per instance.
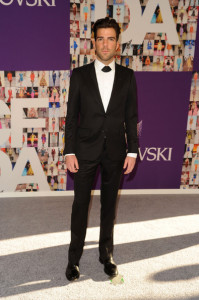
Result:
x=105 y=82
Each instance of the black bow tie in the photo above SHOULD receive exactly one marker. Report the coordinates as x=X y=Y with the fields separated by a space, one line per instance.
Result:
x=106 y=69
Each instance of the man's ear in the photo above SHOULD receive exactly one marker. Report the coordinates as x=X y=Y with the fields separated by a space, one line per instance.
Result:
x=117 y=45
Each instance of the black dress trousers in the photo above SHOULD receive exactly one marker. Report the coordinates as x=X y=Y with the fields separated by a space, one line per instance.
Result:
x=111 y=172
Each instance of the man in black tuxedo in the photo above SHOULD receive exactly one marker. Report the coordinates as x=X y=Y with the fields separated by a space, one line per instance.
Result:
x=101 y=118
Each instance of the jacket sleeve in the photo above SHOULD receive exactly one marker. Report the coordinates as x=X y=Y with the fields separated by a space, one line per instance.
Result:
x=72 y=114
x=131 y=116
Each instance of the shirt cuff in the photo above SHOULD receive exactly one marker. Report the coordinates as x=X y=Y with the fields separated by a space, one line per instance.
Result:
x=132 y=155
x=69 y=154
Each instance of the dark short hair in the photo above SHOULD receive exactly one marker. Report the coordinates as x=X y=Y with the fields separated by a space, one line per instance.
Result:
x=106 y=23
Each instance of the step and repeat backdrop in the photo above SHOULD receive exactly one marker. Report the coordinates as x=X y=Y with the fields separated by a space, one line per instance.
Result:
x=42 y=41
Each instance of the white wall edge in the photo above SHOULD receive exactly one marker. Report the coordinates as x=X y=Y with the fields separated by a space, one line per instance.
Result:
x=97 y=192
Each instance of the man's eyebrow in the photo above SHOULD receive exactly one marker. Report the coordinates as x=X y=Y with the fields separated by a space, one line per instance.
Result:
x=109 y=37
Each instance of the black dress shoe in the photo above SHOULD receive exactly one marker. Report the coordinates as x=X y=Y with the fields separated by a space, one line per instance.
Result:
x=72 y=272
x=110 y=268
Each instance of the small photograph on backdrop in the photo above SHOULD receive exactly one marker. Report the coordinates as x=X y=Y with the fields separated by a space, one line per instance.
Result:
x=85 y=30
x=148 y=47
x=189 y=137
x=127 y=49
x=178 y=63
x=74 y=59
x=54 y=94
x=188 y=151
x=182 y=15
x=186 y=165
x=74 y=10
x=168 y=50
x=21 y=79
x=10 y=93
x=52 y=168
x=137 y=63
x=147 y=63
x=196 y=137
x=193 y=178
x=53 y=154
x=182 y=31
x=74 y=28
x=189 y=48
x=74 y=46
x=2 y=82
x=168 y=64
x=42 y=154
x=84 y=59
x=193 y=12
x=54 y=110
x=43 y=92
x=53 y=124
x=53 y=139
x=61 y=139
x=43 y=78
x=32 y=113
x=109 y=11
x=85 y=11
x=195 y=162
x=85 y=46
x=127 y=61
x=191 y=30
x=53 y=182
x=32 y=92
x=138 y=50
x=62 y=179
x=188 y=63
x=185 y=178
x=159 y=47
x=54 y=78
x=42 y=139
x=158 y=62
x=118 y=11
x=32 y=139
x=21 y=92
x=9 y=78
x=191 y=122
x=32 y=78
x=2 y=93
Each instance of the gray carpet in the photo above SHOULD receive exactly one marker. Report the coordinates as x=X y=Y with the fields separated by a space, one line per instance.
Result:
x=156 y=249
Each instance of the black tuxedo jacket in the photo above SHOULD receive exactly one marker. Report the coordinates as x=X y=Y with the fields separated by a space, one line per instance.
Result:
x=87 y=124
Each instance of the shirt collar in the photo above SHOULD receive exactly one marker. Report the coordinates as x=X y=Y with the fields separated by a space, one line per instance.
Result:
x=99 y=65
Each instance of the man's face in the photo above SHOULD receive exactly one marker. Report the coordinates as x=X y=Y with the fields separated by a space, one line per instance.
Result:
x=106 y=44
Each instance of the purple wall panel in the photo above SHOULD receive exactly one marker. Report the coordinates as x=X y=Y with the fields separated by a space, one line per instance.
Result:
x=35 y=38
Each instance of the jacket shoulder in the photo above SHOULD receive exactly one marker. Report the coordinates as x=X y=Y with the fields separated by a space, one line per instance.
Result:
x=126 y=71
x=84 y=68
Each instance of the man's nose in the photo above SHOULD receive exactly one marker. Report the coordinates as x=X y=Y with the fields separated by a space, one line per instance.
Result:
x=105 y=42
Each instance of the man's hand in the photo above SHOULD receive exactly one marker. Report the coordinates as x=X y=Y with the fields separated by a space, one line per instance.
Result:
x=72 y=163
x=129 y=163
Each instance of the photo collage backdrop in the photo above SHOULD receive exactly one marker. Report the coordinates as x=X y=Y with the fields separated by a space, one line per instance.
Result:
x=190 y=169
x=154 y=54
x=48 y=141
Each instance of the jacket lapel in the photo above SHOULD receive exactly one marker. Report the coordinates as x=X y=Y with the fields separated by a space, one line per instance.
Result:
x=116 y=87
x=94 y=87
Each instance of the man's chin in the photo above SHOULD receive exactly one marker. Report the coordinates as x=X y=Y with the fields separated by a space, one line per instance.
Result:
x=105 y=57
